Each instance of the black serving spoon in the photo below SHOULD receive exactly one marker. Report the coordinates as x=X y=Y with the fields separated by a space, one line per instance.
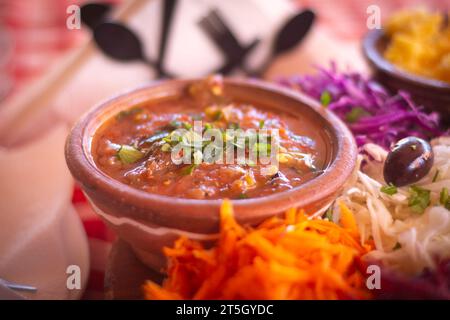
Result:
x=94 y=13
x=289 y=36
x=120 y=43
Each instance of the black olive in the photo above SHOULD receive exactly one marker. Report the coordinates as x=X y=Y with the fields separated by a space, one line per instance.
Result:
x=409 y=161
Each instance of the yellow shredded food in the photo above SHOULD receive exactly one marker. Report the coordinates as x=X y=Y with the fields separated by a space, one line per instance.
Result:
x=420 y=43
x=283 y=258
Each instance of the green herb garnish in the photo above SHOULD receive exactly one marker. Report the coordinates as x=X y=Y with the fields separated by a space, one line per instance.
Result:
x=218 y=115
x=325 y=98
x=355 y=114
x=189 y=169
x=329 y=213
x=125 y=113
x=390 y=189
x=261 y=124
x=165 y=147
x=435 y=177
x=128 y=154
x=175 y=124
x=419 y=199
x=444 y=198
x=251 y=163
x=243 y=196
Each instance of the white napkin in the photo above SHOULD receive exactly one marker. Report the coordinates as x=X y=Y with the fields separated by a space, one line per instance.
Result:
x=40 y=233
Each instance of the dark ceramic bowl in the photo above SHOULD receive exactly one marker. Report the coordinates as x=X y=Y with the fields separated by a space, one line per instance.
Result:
x=150 y=221
x=433 y=94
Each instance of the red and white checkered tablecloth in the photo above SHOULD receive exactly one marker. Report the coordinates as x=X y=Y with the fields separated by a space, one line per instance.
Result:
x=100 y=239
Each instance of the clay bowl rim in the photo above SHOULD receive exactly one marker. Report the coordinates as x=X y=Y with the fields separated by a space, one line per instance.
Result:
x=338 y=171
x=374 y=56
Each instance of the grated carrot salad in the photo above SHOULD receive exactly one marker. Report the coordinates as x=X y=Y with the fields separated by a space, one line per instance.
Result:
x=283 y=258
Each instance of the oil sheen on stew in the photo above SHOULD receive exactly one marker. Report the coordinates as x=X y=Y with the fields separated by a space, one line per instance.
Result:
x=136 y=147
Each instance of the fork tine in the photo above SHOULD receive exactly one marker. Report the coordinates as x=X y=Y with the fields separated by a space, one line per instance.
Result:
x=206 y=24
x=225 y=31
x=216 y=24
x=215 y=16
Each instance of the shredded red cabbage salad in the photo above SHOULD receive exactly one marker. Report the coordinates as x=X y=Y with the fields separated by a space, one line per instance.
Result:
x=372 y=114
x=428 y=285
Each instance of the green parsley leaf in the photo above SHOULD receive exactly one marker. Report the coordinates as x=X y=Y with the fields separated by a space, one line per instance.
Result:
x=419 y=199
x=189 y=169
x=329 y=213
x=444 y=198
x=355 y=114
x=325 y=98
x=165 y=147
x=261 y=124
x=125 y=113
x=218 y=115
x=390 y=189
x=128 y=154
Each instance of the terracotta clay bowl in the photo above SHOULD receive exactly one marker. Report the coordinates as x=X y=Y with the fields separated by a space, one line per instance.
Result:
x=150 y=221
x=433 y=94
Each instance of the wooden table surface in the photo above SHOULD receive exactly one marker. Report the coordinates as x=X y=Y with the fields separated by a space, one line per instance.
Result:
x=125 y=274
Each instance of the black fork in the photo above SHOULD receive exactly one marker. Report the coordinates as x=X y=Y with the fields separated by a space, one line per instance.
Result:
x=222 y=36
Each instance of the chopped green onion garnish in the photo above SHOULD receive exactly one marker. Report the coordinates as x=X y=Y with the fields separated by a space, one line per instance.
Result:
x=251 y=163
x=208 y=126
x=261 y=124
x=355 y=114
x=165 y=147
x=218 y=115
x=329 y=213
x=444 y=198
x=435 y=177
x=390 y=189
x=243 y=196
x=125 y=113
x=419 y=199
x=325 y=98
x=128 y=154
x=189 y=169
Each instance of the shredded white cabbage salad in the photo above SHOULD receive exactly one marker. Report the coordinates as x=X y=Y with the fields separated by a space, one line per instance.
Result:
x=404 y=240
